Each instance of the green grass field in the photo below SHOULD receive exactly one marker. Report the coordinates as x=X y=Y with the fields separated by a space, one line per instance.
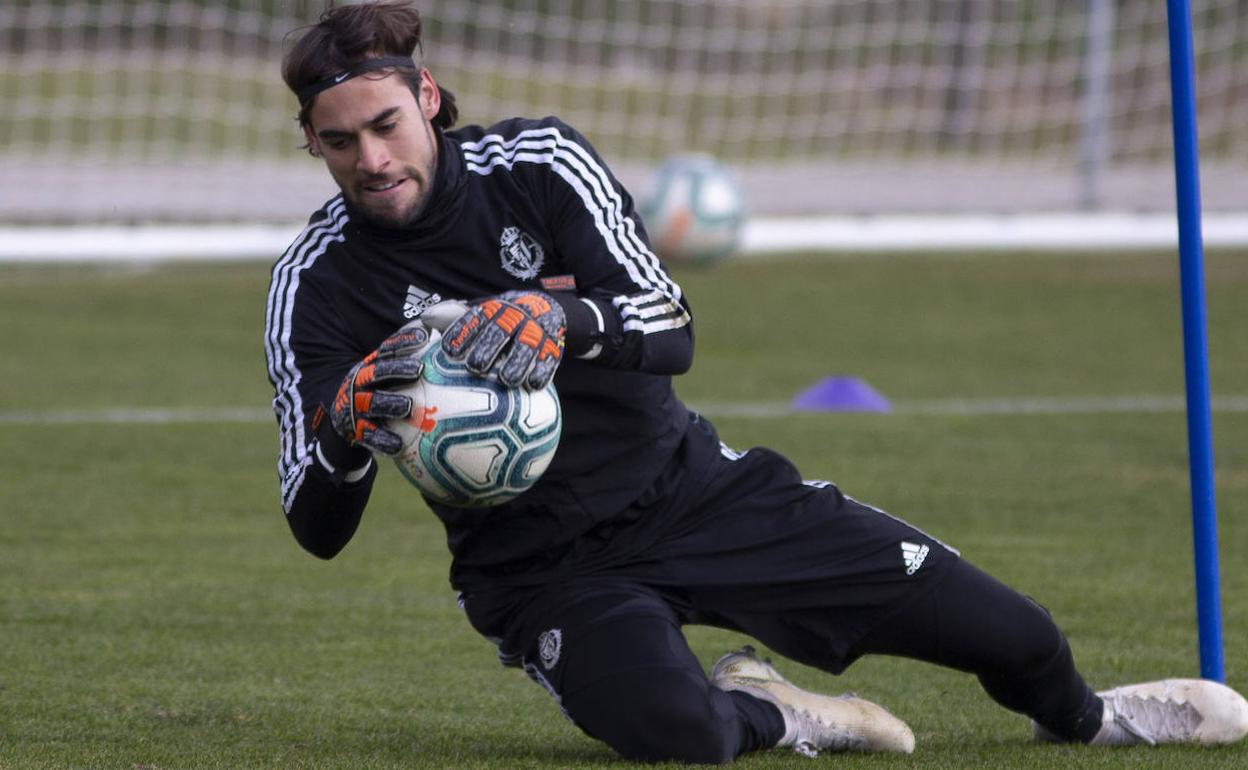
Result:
x=156 y=612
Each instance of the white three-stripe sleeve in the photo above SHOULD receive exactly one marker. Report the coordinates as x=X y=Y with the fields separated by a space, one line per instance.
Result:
x=284 y=372
x=652 y=302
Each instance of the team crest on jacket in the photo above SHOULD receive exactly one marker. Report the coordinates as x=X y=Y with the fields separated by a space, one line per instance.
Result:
x=549 y=645
x=522 y=256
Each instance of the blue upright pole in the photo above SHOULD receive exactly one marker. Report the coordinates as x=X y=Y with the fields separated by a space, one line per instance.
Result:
x=1195 y=347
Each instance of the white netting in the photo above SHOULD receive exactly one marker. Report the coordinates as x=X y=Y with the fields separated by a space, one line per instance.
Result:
x=174 y=109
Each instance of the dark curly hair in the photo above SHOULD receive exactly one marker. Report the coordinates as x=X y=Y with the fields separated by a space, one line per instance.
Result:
x=346 y=35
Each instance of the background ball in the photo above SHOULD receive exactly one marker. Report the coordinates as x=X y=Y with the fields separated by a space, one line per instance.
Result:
x=694 y=210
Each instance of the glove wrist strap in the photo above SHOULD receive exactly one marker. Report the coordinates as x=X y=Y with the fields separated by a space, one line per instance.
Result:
x=586 y=325
x=338 y=475
x=344 y=463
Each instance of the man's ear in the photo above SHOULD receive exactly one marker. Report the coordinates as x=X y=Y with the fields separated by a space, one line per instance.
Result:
x=314 y=143
x=430 y=95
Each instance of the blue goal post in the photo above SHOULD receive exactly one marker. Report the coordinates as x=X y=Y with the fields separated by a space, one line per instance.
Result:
x=1195 y=344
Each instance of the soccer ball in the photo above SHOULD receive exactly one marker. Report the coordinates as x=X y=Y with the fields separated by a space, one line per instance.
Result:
x=694 y=211
x=471 y=442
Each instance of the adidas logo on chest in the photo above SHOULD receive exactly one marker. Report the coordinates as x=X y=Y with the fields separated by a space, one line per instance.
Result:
x=913 y=555
x=418 y=301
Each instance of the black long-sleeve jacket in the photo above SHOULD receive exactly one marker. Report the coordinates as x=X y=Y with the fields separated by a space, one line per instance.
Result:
x=521 y=204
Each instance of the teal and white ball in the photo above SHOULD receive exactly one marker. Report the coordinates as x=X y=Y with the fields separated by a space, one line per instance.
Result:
x=472 y=442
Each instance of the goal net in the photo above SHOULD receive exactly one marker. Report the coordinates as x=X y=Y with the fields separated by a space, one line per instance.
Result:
x=173 y=110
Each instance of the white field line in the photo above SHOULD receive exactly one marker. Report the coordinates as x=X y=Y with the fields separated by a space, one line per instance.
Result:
x=972 y=407
x=755 y=409
x=762 y=236
x=1013 y=233
x=135 y=416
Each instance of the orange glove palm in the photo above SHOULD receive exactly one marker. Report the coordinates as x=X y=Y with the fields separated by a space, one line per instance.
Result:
x=360 y=407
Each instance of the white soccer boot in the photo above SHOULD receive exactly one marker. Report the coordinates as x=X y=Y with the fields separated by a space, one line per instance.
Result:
x=1168 y=711
x=812 y=721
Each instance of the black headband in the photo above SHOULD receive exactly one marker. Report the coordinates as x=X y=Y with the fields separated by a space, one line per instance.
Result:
x=307 y=93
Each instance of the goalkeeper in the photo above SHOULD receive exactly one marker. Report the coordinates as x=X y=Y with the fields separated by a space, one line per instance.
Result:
x=519 y=244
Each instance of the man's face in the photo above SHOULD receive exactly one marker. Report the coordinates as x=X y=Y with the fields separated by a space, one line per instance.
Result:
x=378 y=144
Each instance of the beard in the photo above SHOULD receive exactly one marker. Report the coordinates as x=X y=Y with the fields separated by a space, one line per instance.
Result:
x=394 y=211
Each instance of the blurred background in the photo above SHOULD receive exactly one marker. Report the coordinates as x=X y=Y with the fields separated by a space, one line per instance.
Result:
x=156 y=611
x=174 y=111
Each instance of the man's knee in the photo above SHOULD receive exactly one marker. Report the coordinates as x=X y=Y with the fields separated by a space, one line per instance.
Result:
x=1032 y=643
x=993 y=630
x=658 y=715
x=1035 y=662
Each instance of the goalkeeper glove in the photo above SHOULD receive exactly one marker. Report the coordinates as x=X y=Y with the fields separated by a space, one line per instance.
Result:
x=360 y=407
x=532 y=322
